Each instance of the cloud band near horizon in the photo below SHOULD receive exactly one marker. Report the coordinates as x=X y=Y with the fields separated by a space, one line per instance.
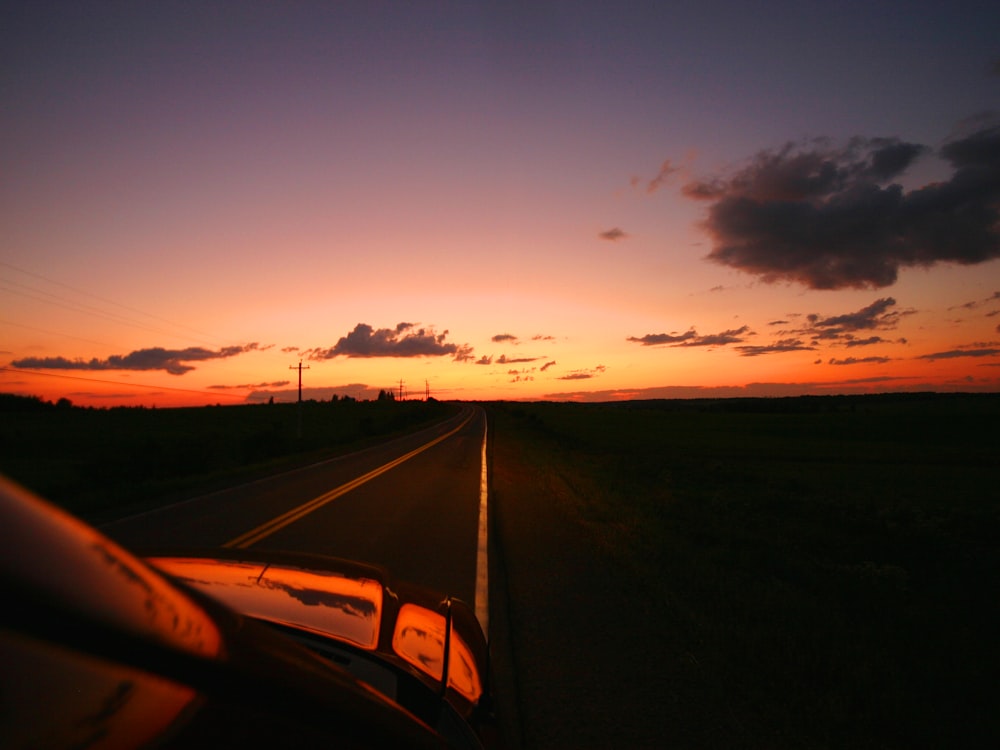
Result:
x=172 y=361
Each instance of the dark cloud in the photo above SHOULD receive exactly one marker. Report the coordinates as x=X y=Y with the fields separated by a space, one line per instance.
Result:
x=583 y=374
x=501 y=337
x=880 y=315
x=664 y=339
x=402 y=341
x=484 y=360
x=547 y=365
x=691 y=338
x=832 y=217
x=955 y=353
x=503 y=359
x=851 y=342
x=859 y=361
x=877 y=315
x=732 y=336
x=778 y=347
x=613 y=235
x=172 y=361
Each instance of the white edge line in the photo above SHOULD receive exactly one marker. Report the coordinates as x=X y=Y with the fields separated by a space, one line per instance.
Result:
x=482 y=561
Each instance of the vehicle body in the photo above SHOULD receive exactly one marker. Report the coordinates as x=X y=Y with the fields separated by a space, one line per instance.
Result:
x=103 y=649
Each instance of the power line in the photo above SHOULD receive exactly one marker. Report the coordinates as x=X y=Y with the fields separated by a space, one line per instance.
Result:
x=77 y=306
x=99 y=299
x=55 y=333
x=117 y=382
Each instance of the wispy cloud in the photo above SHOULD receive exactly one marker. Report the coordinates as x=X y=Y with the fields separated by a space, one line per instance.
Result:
x=667 y=169
x=778 y=347
x=405 y=340
x=834 y=217
x=663 y=339
x=881 y=315
x=501 y=338
x=252 y=386
x=691 y=338
x=584 y=374
x=613 y=235
x=859 y=361
x=172 y=361
x=850 y=341
x=956 y=353
x=878 y=316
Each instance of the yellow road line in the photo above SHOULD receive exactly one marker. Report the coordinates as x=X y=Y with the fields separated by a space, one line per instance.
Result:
x=266 y=529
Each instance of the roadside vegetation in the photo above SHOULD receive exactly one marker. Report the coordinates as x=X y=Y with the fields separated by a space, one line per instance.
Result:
x=830 y=562
x=91 y=461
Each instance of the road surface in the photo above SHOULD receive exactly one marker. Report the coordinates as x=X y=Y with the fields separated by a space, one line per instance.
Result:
x=410 y=505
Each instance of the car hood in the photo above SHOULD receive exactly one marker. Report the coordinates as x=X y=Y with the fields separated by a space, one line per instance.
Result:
x=436 y=639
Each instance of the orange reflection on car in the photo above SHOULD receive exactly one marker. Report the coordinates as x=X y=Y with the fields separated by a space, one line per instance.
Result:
x=419 y=638
x=345 y=607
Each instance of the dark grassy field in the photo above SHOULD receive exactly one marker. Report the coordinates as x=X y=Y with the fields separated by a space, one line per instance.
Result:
x=93 y=460
x=829 y=565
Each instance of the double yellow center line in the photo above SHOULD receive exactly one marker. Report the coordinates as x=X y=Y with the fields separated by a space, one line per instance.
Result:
x=266 y=529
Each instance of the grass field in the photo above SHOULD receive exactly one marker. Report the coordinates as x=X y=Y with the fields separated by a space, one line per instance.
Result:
x=90 y=460
x=831 y=562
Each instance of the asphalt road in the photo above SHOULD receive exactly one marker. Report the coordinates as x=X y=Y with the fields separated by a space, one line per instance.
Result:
x=418 y=519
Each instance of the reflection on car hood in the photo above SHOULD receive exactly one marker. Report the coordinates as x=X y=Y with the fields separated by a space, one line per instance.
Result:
x=329 y=603
x=350 y=603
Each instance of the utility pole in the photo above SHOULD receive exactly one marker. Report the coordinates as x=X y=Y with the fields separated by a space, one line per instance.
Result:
x=300 y=368
x=400 y=389
x=427 y=391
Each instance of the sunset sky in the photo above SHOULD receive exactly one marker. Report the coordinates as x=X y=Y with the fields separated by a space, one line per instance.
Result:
x=527 y=200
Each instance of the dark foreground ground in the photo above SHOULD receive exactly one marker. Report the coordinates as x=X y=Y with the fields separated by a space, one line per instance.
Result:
x=762 y=575
x=752 y=573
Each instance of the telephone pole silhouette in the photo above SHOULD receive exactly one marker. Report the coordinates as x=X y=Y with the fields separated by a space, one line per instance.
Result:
x=300 y=368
